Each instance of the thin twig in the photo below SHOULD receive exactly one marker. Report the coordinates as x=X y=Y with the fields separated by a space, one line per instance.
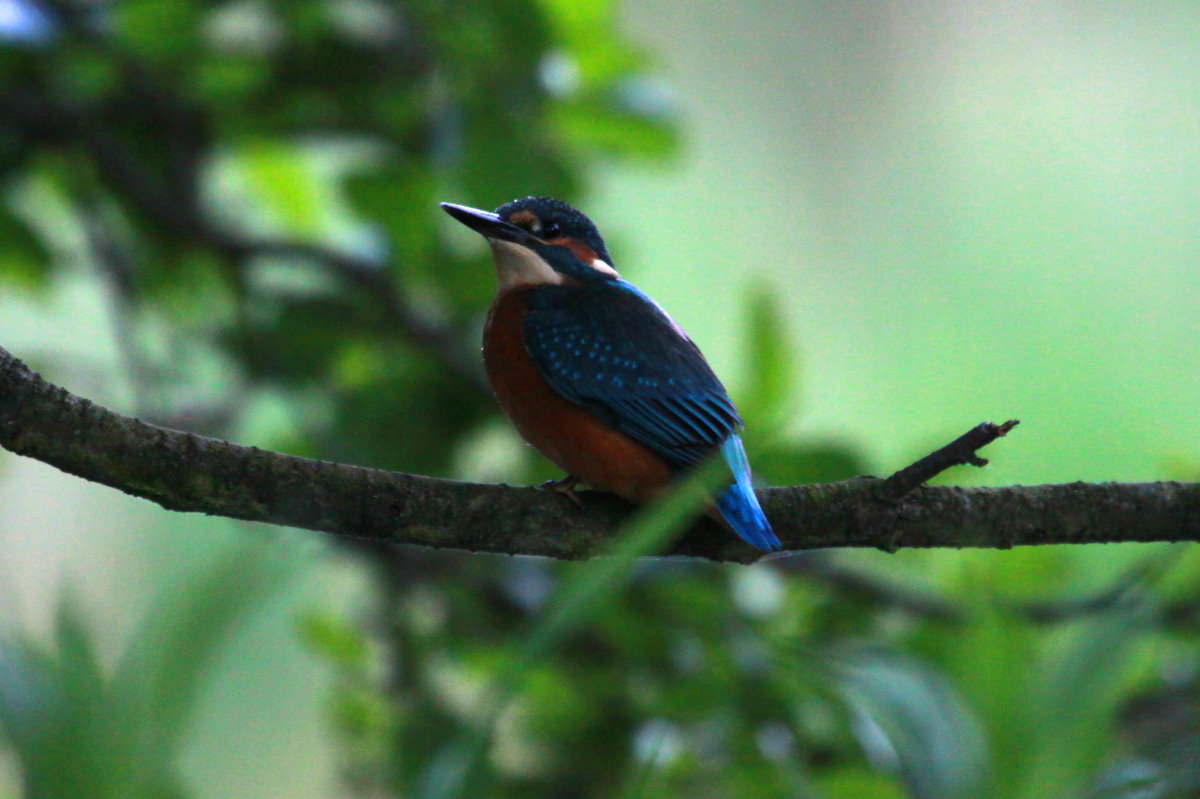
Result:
x=958 y=452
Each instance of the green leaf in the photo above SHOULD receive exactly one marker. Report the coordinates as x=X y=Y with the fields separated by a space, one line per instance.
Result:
x=588 y=30
x=455 y=771
x=158 y=30
x=859 y=783
x=1071 y=709
x=798 y=463
x=771 y=384
x=600 y=127
x=337 y=641
x=78 y=731
x=285 y=181
x=992 y=658
x=1144 y=779
x=230 y=81
x=911 y=720
x=24 y=259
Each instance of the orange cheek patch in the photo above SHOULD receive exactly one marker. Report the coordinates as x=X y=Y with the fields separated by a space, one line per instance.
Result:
x=581 y=251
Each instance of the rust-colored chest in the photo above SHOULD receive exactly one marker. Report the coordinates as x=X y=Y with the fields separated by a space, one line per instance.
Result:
x=566 y=433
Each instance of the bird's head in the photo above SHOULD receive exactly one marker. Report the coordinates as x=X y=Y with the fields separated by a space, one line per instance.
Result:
x=539 y=240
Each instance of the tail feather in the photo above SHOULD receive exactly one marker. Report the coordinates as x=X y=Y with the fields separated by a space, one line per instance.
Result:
x=738 y=504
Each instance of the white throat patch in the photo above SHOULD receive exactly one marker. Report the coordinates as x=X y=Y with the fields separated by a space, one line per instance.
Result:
x=520 y=266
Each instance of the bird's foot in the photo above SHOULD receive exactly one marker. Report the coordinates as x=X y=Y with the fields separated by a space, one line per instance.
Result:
x=566 y=487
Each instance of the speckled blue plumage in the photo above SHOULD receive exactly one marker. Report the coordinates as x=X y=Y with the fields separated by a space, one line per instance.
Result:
x=608 y=347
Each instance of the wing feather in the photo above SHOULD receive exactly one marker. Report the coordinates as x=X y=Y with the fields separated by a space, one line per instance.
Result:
x=609 y=347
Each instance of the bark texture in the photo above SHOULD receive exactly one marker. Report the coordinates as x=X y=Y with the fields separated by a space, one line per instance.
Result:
x=186 y=472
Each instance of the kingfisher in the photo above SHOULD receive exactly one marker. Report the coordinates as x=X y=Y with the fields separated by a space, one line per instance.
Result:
x=594 y=374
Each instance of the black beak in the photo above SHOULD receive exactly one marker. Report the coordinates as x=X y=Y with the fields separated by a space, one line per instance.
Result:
x=487 y=224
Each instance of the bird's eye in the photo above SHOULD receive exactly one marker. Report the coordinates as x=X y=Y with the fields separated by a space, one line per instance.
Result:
x=550 y=230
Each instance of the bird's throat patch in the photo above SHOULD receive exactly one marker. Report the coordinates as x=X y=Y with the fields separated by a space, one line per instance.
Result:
x=521 y=266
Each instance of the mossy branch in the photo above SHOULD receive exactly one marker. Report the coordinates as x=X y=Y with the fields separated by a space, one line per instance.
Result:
x=186 y=472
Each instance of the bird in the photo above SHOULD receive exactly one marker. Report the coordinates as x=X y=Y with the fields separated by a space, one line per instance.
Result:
x=594 y=373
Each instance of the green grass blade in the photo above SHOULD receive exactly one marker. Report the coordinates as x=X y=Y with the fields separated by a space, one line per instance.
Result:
x=456 y=771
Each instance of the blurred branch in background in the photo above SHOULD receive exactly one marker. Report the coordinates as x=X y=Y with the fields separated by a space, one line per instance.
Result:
x=182 y=471
x=173 y=201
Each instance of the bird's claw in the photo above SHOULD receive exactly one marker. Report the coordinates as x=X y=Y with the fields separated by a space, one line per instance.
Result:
x=566 y=487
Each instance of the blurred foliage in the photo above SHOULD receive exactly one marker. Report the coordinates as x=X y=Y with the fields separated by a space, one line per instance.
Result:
x=80 y=728
x=282 y=163
x=254 y=185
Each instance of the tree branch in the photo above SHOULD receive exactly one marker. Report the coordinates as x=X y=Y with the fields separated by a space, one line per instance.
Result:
x=186 y=472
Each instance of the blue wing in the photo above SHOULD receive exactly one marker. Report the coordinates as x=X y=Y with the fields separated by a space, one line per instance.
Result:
x=610 y=348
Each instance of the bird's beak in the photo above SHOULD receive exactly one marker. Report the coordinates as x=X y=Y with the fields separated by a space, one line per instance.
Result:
x=487 y=224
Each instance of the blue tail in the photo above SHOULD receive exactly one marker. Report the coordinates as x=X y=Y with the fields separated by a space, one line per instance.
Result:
x=738 y=504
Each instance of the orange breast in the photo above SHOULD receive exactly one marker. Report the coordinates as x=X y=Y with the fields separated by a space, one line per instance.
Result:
x=564 y=432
